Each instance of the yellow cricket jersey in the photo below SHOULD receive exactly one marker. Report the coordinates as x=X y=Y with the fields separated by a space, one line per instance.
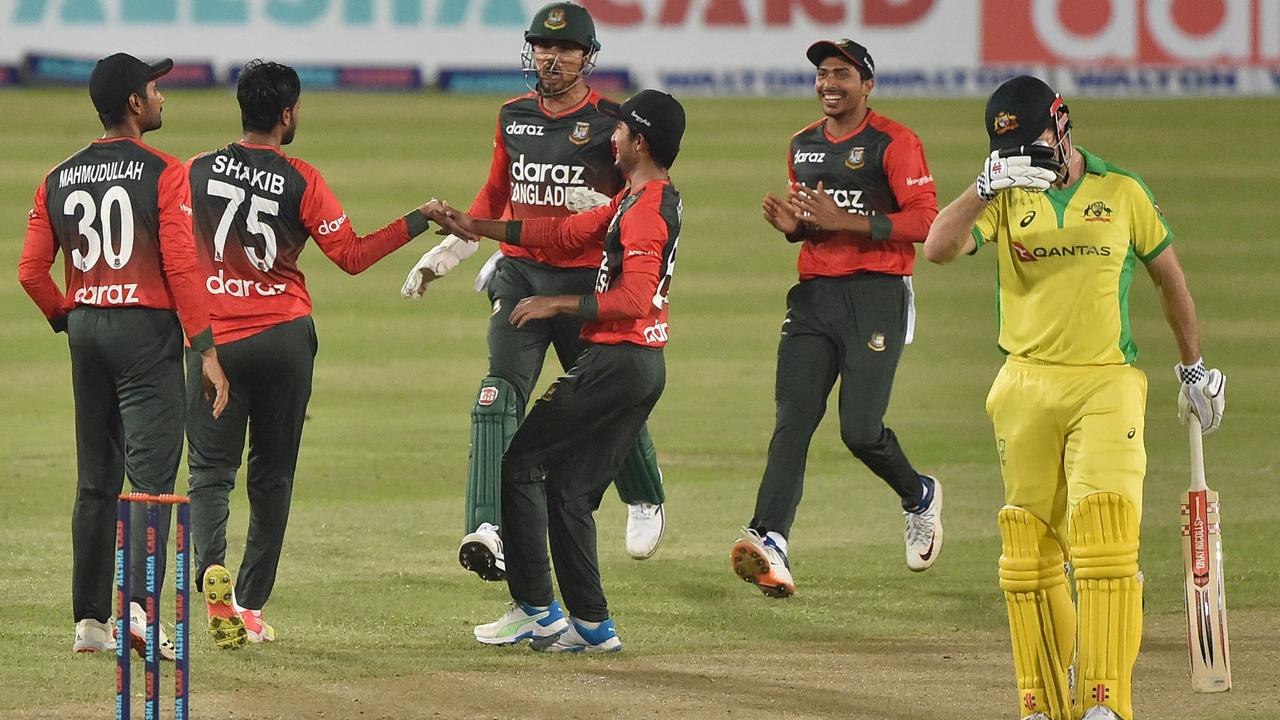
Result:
x=1066 y=260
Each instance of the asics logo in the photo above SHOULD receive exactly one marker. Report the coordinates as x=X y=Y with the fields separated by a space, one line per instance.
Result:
x=515 y=128
x=332 y=226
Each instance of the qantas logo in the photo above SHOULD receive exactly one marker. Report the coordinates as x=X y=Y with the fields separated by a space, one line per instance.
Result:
x=529 y=129
x=1022 y=252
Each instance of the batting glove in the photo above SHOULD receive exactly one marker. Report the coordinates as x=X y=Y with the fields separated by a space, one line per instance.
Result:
x=580 y=198
x=436 y=263
x=1031 y=167
x=1203 y=393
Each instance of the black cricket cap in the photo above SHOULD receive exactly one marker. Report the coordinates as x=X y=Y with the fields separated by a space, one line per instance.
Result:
x=564 y=21
x=1019 y=112
x=655 y=115
x=118 y=76
x=843 y=48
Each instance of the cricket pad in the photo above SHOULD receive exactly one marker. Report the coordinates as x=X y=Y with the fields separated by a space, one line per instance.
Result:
x=639 y=479
x=1104 y=552
x=494 y=419
x=1042 y=620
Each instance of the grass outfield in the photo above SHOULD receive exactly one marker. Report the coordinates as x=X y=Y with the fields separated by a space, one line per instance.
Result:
x=373 y=613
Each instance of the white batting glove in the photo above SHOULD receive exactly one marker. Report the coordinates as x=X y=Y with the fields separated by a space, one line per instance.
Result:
x=487 y=272
x=581 y=198
x=1203 y=393
x=1032 y=168
x=436 y=263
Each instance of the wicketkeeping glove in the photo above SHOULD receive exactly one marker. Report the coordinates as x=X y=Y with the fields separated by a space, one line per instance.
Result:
x=436 y=263
x=1030 y=166
x=1203 y=393
x=580 y=198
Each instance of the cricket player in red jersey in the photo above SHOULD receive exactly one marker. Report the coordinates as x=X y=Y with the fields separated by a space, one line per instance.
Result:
x=255 y=208
x=551 y=149
x=563 y=456
x=861 y=196
x=120 y=211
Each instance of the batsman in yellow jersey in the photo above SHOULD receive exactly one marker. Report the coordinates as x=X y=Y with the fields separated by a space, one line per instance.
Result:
x=1069 y=230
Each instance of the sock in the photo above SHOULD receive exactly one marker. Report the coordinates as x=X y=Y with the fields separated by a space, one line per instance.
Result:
x=589 y=625
x=926 y=496
x=778 y=540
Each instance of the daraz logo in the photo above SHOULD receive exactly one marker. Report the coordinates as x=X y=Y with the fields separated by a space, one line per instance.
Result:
x=1022 y=252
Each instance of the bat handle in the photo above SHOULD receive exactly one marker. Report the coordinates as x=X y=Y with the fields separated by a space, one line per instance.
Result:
x=1196 y=438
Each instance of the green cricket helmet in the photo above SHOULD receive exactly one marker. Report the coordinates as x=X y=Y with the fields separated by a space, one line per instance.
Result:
x=564 y=21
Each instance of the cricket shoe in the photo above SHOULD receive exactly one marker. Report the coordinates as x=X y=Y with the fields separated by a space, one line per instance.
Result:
x=541 y=625
x=481 y=553
x=257 y=629
x=760 y=561
x=924 y=528
x=138 y=634
x=582 y=639
x=1037 y=716
x=1100 y=712
x=645 y=523
x=225 y=625
x=93 y=636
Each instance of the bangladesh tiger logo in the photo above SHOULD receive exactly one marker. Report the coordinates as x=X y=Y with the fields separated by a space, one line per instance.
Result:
x=857 y=158
x=1097 y=211
x=1004 y=122
x=555 y=20
x=581 y=133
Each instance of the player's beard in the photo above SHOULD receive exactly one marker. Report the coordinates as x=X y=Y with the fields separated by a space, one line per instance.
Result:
x=153 y=122
x=288 y=134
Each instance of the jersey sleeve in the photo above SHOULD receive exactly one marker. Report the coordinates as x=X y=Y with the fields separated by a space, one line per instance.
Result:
x=39 y=250
x=563 y=232
x=493 y=200
x=1151 y=234
x=912 y=184
x=643 y=232
x=324 y=219
x=984 y=231
x=178 y=256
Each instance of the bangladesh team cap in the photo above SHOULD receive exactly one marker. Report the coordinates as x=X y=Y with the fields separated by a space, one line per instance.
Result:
x=118 y=76
x=564 y=21
x=1019 y=111
x=655 y=115
x=843 y=48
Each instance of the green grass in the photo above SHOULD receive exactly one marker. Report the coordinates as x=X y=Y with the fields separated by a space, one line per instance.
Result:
x=369 y=590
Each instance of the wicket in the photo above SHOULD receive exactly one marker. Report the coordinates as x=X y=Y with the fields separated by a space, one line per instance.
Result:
x=123 y=598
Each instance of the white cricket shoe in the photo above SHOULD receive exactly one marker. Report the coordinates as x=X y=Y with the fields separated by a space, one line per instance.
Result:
x=645 y=523
x=93 y=636
x=581 y=639
x=759 y=561
x=138 y=634
x=1036 y=716
x=924 y=530
x=481 y=553
x=1100 y=712
x=524 y=622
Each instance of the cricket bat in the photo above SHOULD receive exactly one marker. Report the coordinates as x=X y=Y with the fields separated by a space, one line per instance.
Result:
x=1205 y=595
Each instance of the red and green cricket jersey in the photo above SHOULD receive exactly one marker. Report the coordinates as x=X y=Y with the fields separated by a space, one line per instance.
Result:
x=537 y=158
x=641 y=231
x=877 y=170
x=120 y=211
x=255 y=208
